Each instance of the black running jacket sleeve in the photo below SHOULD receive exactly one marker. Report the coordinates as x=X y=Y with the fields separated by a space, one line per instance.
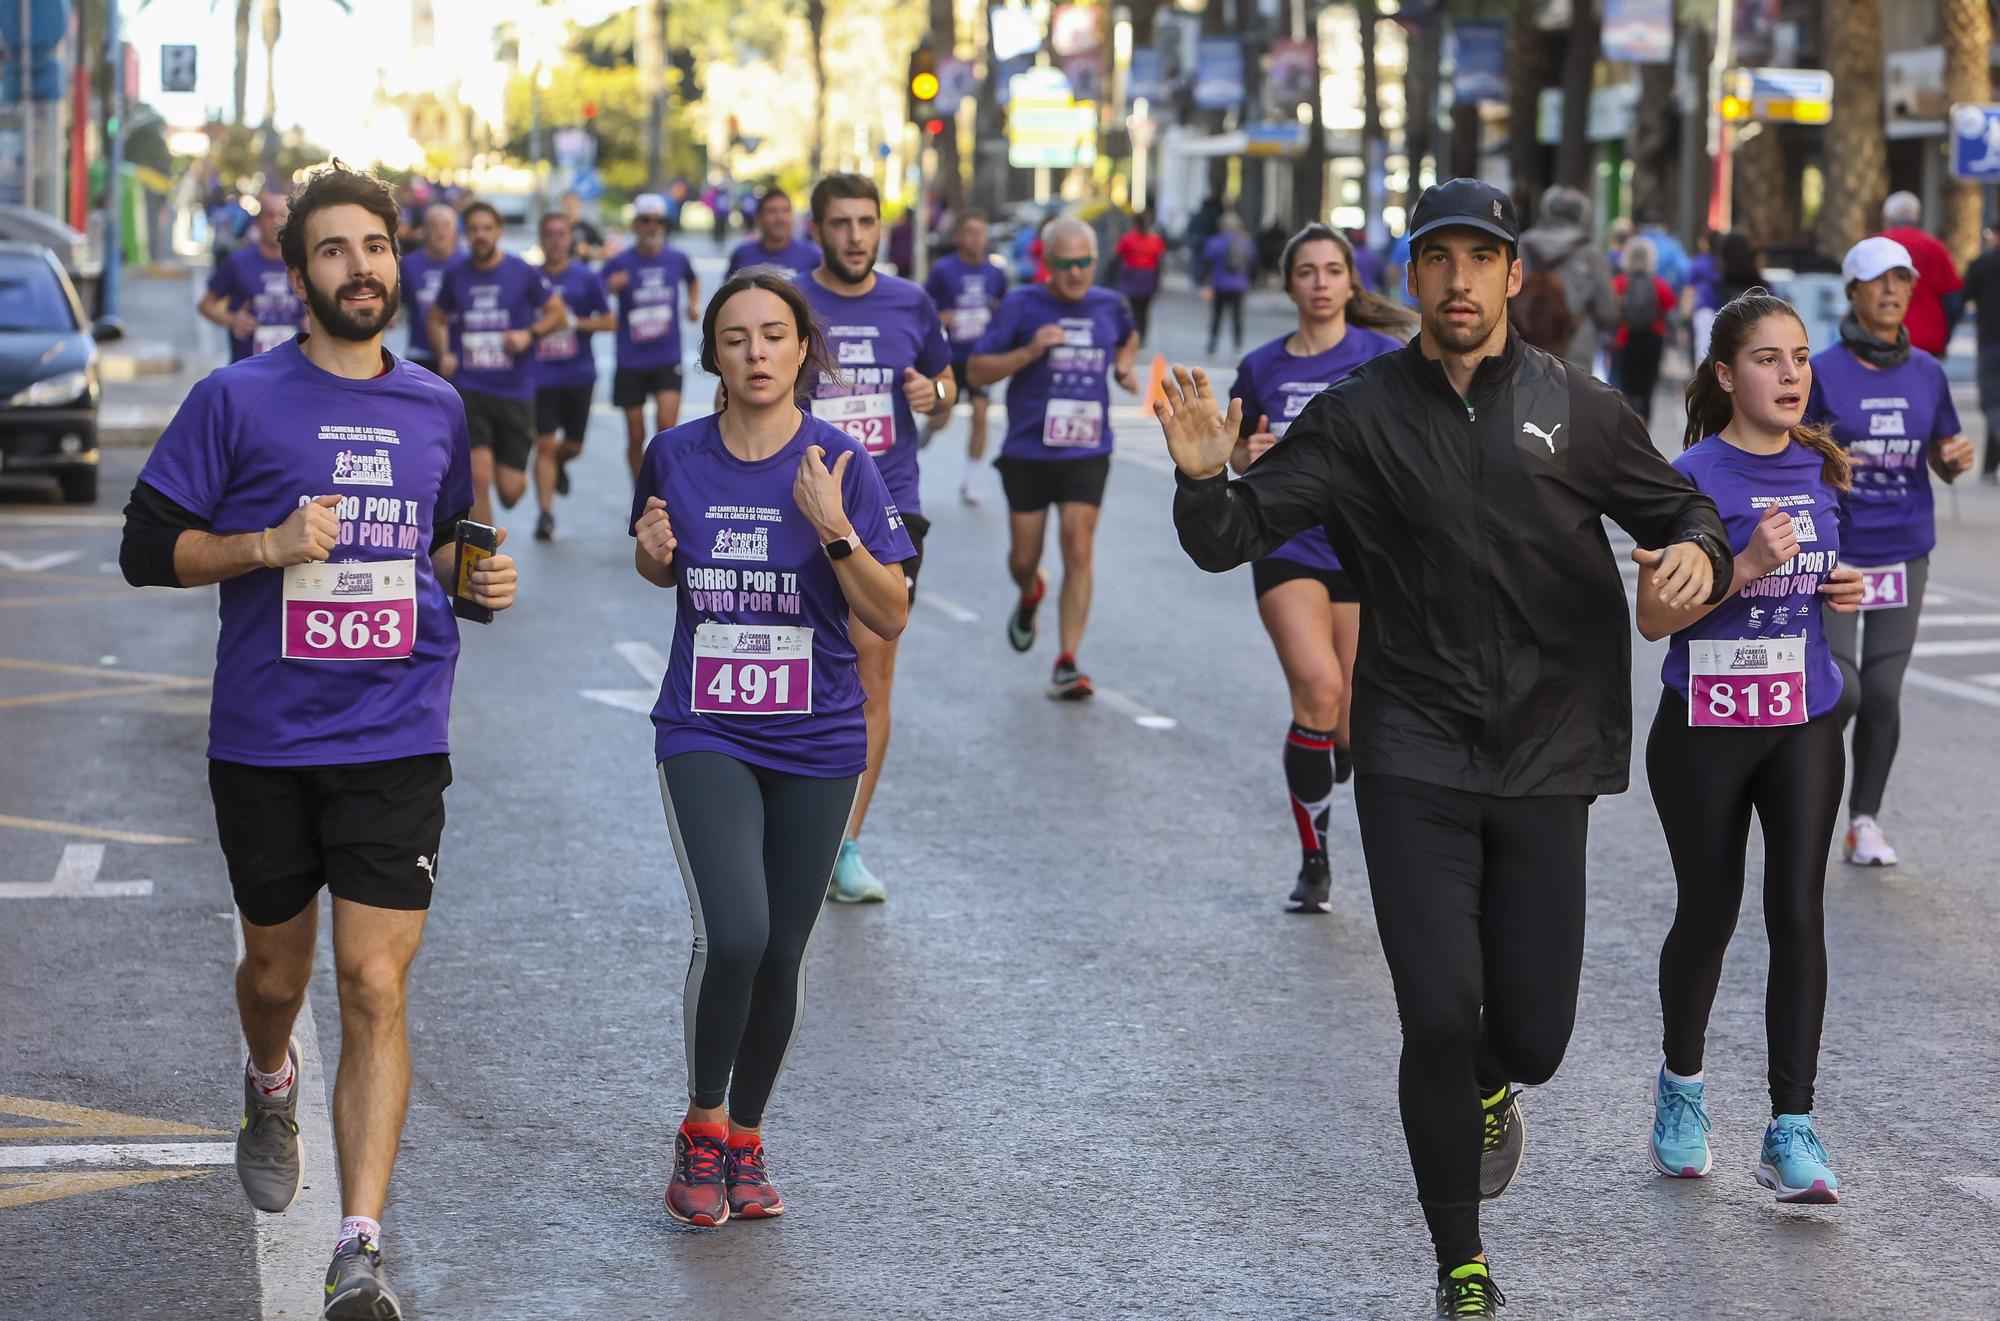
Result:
x=1646 y=496
x=1224 y=523
x=153 y=524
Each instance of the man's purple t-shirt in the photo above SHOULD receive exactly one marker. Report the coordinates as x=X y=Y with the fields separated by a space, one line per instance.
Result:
x=747 y=556
x=421 y=277
x=872 y=339
x=970 y=292
x=797 y=258
x=649 y=308
x=251 y=443
x=1275 y=384
x=1216 y=253
x=487 y=304
x=1886 y=420
x=247 y=276
x=563 y=357
x=1784 y=603
x=1059 y=405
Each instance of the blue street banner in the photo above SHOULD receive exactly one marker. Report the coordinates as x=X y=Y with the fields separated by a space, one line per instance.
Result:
x=1639 y=31
x=48 y=24
x=1479 y=56
x=1147 y=79
x=1975 y=143
x=1218 y=74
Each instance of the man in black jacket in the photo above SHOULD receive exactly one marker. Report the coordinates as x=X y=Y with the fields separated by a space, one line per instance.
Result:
x=1463 y=483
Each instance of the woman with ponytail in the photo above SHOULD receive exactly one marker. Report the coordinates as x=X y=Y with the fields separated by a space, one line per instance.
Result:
x=1307 y=604
x=1891 y=409
x=1748 y=724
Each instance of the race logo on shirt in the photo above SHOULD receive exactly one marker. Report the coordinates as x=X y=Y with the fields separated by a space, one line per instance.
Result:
x=1886 y=424
x=1802 y=526
x=737 y=544
x=856 y=353
x=354 y=469
x=347 y=435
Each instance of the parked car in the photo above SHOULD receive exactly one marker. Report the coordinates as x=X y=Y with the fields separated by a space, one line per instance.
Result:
x=48 y=373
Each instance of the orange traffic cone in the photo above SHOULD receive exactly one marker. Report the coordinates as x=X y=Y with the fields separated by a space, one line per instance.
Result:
x=1153 y=378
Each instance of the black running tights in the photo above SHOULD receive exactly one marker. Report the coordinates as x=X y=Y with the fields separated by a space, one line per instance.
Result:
x=1873 y=652
x=1479 y=901
x=1706 y=783
x=756 y=850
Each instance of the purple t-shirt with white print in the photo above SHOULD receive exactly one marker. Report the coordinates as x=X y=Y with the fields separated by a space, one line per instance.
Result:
x=485 y=306
x=872 y=339
x=1886 y=420
x=1059 y=405
x=322 y=664
x=969 y=291
x=247 y=278
x=649 y=308
x=762 y=669
x=1784 y=603
x=563 y=357
x=797 y=258
x=1274 y=383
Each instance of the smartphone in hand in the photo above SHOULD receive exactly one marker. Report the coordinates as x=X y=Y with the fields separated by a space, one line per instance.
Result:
x=475 y=542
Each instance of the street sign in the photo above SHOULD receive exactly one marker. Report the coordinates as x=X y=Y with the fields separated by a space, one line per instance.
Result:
x=177 y=68
x=1285 y=137
x=1975 y=142
x=1784 y=96
x=1046 y=126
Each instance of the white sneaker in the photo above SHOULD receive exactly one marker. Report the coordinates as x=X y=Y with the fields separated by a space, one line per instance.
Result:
x=966 y=493
x=1866 y=846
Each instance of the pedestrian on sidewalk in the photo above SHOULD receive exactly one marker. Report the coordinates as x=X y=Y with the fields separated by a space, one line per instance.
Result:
x=1139 y=251
x=1982 y=290
x=1644 y=303
x=1566 y=300
x=1937 y=276
x=1229 y=258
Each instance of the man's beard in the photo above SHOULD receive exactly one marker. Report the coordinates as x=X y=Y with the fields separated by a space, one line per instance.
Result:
x=837 y=268
x=1461 y=339
x=342 y=324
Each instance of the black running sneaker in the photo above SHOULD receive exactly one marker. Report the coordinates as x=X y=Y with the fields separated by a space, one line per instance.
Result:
x=1314 y=892
x=545 y=526
x=1343 y=764
x=1021 y=624
x=562 y=476
x=1506 y=1139
x=1067 y=683
x=355 y=1290
x=1468 y=1291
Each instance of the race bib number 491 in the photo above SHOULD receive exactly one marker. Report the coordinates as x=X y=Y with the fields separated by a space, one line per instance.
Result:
x=752 y=670
x=351 y=612
x=1747 y=684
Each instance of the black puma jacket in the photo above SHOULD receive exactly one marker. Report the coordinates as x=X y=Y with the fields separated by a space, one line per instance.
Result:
x=1496 y=652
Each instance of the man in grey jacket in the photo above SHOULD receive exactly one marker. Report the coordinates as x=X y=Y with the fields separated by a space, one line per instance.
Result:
x=1561 y=241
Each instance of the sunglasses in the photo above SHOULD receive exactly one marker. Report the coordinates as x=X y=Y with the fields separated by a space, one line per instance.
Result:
x=1071 y=263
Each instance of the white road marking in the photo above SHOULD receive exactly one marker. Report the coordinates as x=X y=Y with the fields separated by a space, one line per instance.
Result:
x=1938 y=683
x=1941 y=593
x=645 y=660
x=1986 y=1186
x=648 y=664
x=1958 y=621
x=76 y=878
x=1990 y=680
x=1142 y=715
x=62 y=520
x=293 y=1247
x=625 y=699
x=1958 y=647
x=118 y=1153
x=947 y=606
x=36 y=563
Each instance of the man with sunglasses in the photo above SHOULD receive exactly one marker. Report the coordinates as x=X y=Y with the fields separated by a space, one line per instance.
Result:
x=1057 y=341
x=646 y=279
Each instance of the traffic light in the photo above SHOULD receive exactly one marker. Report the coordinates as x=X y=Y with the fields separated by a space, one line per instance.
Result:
x=923 y=85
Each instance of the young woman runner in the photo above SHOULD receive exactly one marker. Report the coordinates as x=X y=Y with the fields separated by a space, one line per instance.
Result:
x=1749 y=723
x=771 y=527
x=1307 y=605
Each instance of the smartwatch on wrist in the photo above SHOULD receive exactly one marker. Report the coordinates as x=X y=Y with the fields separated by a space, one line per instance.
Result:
x=841 y=547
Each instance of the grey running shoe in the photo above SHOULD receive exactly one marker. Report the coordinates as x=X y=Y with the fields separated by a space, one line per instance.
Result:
x=1314 y=892
x=1021 y=626
x=355 y=1290
x=267 y=1143
x=1506 y=1139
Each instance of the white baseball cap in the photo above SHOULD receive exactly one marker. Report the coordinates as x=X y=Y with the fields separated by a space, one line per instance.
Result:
x=649 y=204
x=1872 y=258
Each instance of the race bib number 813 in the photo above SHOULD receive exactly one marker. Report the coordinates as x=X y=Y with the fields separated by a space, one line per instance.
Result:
x=1748 y=684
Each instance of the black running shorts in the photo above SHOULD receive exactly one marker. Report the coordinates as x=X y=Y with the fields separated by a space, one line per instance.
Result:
x=1032 y=485
x=505 y=426
x=368 y=832
x=632 y=387
x=565 y=409
x=1268 y=573
x=918 y=527
x=967 y=391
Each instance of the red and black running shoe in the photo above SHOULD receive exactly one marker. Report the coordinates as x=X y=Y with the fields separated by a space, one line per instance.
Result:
x=751 y=1194
x=695 y=1194
x=1021 y=624
x=1067 y=683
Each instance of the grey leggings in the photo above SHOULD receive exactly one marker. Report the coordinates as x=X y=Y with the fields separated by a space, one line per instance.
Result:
x=756 y=850
x=1872 y=684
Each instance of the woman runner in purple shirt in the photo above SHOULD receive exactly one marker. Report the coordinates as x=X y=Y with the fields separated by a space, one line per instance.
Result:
x=1749 y=724
x=1303 y=596
x=770 y=526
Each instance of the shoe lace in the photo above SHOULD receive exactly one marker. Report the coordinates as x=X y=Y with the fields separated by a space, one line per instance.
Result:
x=1471 y=1295
x=1680 y=1109
x=1784 y=1137
x=262 y=1120
x=746 y=1165
x=1500 y=1119
x=702 y=1160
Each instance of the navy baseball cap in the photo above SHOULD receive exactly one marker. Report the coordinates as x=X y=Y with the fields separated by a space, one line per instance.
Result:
x=1468 y=202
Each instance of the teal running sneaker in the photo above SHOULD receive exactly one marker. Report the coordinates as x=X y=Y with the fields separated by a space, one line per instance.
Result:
x=853 y=883
x=1793 y=1164
x=1468 y=1291
x=1680 y=1128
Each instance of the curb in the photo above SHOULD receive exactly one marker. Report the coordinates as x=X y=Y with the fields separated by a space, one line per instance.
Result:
x=136 y=358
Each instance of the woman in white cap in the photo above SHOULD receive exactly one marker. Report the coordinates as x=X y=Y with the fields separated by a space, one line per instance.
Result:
x=1892 y=410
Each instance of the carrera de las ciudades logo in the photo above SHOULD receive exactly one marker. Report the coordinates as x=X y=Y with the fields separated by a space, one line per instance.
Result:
x=741 y=544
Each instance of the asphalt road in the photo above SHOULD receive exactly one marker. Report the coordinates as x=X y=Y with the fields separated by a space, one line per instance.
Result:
x=1081 y=1063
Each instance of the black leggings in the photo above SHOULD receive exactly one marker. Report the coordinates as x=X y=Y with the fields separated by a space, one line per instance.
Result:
x=1706 y=783
x=1142 y=312
x=756 y=850
x=1480 y=902
x=1639 y=370
x=1230 y=301
x=1872 y=657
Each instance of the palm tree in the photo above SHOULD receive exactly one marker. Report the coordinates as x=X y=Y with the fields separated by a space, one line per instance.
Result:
x=1857 y=155
x=1527 y=70
x=816 y=33
x=1573 y=163
x=273 y=28
x=1968 y=36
